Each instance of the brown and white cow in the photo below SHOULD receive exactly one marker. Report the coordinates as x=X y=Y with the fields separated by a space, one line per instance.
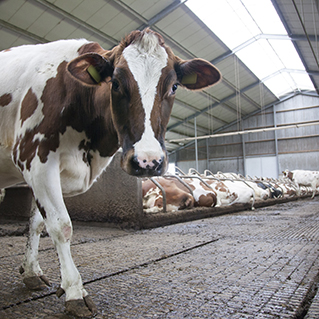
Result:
x=65 y=109
x=204 y=195
x=231 y=192
x=304 y=178
x=178 y=197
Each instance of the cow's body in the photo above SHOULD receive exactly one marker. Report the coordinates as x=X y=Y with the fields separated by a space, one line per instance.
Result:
x=304 y=178
x=65 y=109
x=204 y=195
x=224 y=196
x=178 y=197
x=261 y=191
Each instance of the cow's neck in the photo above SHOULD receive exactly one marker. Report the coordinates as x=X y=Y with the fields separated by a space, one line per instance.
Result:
x=93 y=117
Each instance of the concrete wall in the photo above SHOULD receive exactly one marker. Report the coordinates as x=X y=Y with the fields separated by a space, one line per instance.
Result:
x=116 y=199
x=293 y=148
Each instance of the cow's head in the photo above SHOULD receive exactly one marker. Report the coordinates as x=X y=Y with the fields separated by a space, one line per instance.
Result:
x=288 y=174
x=144 y=75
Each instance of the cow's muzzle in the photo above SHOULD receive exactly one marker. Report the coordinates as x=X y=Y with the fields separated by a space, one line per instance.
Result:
x=144 y=166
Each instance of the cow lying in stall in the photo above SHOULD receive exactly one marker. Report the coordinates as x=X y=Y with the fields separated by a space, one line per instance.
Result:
x=65 y=109
x=227 y=190
x=263 y=190
x=205 y=193
x=178 y=197
x=304 y=178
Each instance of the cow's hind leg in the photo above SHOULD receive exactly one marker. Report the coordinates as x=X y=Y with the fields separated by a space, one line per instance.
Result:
x=32 y=274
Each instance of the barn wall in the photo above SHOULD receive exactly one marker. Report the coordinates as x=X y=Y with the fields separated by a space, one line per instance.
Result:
x=286 y=149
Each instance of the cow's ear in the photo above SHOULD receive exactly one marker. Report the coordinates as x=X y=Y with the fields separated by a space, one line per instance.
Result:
x=90 y=68
x=196 y=74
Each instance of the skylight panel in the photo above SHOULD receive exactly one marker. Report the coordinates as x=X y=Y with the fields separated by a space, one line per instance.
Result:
x=271 y=60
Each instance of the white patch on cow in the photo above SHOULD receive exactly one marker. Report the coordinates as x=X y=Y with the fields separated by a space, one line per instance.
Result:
x=199 y=190
x=146 y=59
x=38 y=136
x=77 y=176
x=149 y=200
x=21 y=69
x=306 y=178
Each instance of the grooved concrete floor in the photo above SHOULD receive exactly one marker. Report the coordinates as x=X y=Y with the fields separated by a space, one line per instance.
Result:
x=251 y=264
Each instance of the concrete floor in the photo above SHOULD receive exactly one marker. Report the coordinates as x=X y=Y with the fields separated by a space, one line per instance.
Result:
x=251 y=264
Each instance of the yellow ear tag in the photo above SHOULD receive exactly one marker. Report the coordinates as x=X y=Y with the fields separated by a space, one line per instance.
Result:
x=189 y=79
x=94 y=74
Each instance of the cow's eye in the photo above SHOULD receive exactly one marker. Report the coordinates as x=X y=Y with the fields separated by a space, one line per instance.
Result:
x=115 y=86
x=174 y=88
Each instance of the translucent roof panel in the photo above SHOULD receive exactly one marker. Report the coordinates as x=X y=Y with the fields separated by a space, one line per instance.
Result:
x=254 y=32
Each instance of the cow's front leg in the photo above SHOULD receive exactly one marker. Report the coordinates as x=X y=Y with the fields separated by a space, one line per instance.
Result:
x=32 y=274
x=47 y=192
x=59 y=227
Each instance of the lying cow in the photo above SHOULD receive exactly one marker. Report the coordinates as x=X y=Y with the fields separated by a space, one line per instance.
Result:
x=178 y=197
x=65 y=109
x=204 y=195
x=304 y=178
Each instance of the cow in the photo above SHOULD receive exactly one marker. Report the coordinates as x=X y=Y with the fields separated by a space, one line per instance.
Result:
x=262 y=192
x=289 y=189
x=178 y=197
x=273 y=189
x=66 y=107
x=203 y=194
x=304 y=178
x=231 y=188
x=224 y=196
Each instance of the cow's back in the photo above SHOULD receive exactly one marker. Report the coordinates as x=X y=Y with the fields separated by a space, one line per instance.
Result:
x=24 y=72
x=306 y=178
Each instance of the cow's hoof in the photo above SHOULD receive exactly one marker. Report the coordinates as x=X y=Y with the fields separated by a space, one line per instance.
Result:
x=81 y=308
x=36 y=283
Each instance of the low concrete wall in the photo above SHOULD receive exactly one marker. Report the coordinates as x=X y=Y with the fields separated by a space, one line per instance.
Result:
x=16 y=204
x=116 y=198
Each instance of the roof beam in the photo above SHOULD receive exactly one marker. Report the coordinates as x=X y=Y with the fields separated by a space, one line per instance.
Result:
x=285 y=23
x=169 y=9
x=22 y=32
x=213 y=105
x=78 y=21
x=262 y=36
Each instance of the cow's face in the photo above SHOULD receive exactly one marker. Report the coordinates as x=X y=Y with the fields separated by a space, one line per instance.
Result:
x=144 y=77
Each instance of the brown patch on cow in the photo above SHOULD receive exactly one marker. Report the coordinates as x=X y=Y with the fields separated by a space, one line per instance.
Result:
x=127 y=109
x=221 y=187
x=68 y=103
x=290 y=175
x=5 y=99
x=26 y=148
x=28 y=106
x=208 y=200
x=90 y=47
x=41 y=209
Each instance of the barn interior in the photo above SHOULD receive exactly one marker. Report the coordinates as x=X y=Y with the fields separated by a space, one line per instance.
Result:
x=259 y=120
